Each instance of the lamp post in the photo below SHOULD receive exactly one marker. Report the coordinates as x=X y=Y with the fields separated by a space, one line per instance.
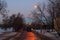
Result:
x=37 y=7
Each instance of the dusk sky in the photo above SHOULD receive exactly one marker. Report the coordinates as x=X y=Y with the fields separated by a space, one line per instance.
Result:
x=23 y=6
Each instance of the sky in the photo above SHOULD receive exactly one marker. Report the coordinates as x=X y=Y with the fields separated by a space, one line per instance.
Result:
x=22 y=6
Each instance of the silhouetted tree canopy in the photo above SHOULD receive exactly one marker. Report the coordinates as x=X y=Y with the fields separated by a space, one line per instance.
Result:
x=14 y=21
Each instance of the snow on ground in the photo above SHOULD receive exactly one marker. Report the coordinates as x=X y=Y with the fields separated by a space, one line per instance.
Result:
x=6 y=35
x=1 y=33
x=10 y=34
x=52 y=35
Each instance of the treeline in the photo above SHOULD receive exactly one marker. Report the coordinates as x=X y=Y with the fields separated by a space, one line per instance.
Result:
x=14 y=21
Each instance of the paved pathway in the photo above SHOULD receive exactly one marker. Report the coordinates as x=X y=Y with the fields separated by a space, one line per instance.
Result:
x=23 y=36
x=19 y=36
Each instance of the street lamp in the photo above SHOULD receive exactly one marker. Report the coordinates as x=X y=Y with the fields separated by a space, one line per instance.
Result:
x=35 y=6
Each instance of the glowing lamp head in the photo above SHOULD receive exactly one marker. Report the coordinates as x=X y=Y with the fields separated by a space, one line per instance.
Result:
x=35 y=6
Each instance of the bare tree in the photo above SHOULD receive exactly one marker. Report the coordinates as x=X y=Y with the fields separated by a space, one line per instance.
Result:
x=3 y=6
x=39 y=15
x=54 y=11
